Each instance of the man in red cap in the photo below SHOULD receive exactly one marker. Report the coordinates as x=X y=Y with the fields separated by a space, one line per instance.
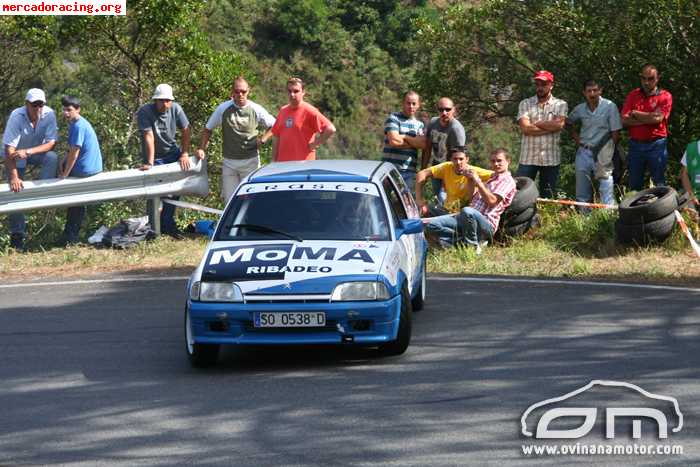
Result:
x=541 y=119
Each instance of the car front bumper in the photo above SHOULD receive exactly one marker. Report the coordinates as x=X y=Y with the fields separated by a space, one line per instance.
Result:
x=369 y=323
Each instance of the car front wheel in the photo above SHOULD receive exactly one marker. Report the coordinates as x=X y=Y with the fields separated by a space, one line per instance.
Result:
x=199 y=355
x=403 y=337
x=419 y=299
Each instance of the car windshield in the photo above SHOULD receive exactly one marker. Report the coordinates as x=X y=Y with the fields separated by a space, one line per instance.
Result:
x=301 y=214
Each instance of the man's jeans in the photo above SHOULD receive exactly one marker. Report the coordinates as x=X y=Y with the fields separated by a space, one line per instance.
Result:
x=469 y=225
x=74 y=218
x=167 y=214
x=643 y=155
x=48 y=161
x=439 y=193
x=409 y=177
x=585 y=174
x=549 y=176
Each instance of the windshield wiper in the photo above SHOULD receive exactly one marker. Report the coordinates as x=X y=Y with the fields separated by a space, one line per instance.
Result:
x=266 y=229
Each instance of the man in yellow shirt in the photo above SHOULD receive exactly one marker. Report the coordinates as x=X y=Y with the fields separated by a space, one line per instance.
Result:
x=458 y=186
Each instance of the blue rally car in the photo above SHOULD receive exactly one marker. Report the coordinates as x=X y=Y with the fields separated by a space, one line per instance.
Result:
x=317 y=252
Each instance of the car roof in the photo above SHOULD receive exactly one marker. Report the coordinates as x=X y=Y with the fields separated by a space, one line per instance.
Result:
x=323 y=170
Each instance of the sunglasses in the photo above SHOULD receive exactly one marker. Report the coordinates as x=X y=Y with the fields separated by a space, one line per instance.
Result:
x=38 y=104
x=445 y=109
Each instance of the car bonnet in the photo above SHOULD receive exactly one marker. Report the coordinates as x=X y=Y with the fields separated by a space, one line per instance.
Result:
x=309 y=267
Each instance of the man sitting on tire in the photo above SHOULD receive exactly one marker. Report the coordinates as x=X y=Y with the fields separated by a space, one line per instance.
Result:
x=478 y=222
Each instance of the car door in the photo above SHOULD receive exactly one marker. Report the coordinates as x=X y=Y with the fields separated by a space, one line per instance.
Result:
x=408 y=242
x=413 y=212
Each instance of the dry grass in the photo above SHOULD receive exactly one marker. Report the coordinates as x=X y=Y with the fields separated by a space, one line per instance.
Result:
x=537 y=258
x=161 y=255
x=672 y=263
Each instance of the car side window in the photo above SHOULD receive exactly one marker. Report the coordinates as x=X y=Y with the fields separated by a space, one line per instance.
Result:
x=406 y=195
x=397 y=208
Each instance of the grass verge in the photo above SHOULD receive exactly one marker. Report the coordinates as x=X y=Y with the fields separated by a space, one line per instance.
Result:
x=568 y=245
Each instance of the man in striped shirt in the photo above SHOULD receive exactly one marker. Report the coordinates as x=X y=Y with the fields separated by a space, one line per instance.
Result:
x=403 y=137
x=478 y=222
x=541 y=118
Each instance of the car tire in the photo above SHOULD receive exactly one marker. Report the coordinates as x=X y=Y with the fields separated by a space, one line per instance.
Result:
x=648 y=205
x=524 y=216
x=683 y=198
x=643 y=234
x=520 y=229
x=525 y=196
x=403 y=337
x=199 y=355
x=418 y=301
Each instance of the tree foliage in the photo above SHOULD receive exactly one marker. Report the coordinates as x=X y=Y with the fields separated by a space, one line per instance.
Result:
x=28 y=45
x=485 y=54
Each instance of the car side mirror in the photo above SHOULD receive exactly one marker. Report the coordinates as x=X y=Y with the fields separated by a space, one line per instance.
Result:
x=409 y=226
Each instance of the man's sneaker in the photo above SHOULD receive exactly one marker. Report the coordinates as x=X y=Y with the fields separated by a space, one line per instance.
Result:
x=17 y=242
x=480 y=246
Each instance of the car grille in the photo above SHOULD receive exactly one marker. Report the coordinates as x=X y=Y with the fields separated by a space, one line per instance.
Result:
x=311 y=298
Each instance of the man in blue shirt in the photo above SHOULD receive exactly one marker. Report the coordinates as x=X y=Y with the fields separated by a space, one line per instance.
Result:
x=599 y=134
x=83 y=159
x=29 y=138
x=158 y=122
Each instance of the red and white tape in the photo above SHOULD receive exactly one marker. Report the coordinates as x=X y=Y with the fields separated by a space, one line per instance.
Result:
x=686 y=231
x=567 y=202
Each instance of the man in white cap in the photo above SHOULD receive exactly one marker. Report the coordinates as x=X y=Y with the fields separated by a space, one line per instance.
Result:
x=239 y=119
x=29 y=138
x=158 y=122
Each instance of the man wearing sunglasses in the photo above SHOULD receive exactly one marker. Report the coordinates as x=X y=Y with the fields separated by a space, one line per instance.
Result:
x=239 y=119
x=645 y=114
x=29 y=138
x=443 y=134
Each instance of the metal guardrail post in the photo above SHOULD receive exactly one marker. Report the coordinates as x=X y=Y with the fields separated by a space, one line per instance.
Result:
x=153 y=207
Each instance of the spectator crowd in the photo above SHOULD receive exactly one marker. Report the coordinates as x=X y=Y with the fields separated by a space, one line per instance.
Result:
x=468 y=200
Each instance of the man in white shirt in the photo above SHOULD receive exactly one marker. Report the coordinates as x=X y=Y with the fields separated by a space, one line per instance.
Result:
x=29 y=138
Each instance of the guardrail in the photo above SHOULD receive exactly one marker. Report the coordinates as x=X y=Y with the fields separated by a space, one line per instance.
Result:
x=160 y=180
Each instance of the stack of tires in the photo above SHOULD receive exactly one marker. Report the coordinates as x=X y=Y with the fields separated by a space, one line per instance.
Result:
x=521 y=215
x=647 y=216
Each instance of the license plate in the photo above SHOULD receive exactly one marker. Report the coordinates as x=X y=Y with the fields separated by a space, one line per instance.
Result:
x=300 y=319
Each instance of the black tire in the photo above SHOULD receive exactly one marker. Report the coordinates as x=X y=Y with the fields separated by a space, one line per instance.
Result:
x=648 y=205
x=520 y=229
x=525 y=197
x=643 y=234
x=524 y=216
x=199 y=355
x=418 y=301
x=403 y=337
x=683 y=198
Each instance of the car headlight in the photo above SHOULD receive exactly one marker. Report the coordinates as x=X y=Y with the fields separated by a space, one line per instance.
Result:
x=215 y=292
x=358 y=291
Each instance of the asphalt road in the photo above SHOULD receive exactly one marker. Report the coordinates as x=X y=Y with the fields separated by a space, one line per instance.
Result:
x=96 y=374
